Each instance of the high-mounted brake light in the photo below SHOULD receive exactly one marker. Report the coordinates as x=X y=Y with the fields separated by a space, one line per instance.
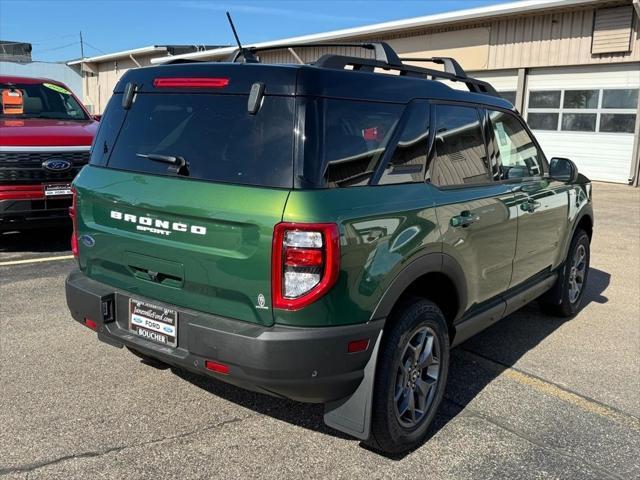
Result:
x=190 y=82
x=73 y=213
x=305 y=263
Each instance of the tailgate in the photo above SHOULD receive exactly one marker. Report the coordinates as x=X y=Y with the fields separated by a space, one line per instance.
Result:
x=194 y=244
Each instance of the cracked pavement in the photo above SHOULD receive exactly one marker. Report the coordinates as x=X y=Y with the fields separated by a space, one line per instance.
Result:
x=531 y=397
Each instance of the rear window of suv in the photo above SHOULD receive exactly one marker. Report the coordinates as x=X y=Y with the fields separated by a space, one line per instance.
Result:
x=216 y=135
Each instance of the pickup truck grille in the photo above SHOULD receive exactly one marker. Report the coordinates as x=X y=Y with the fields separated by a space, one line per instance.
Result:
x=26 y=167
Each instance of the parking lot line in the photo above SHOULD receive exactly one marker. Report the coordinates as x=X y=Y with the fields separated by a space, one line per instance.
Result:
x=35 y=260
x=548 y=388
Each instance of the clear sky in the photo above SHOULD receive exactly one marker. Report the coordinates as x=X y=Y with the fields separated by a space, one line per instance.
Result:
x=53 y=26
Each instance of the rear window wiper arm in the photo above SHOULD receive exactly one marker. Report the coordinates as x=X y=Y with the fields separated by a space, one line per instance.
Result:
x=178 y=164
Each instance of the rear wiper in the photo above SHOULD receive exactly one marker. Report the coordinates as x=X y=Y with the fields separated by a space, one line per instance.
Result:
x=178 y=164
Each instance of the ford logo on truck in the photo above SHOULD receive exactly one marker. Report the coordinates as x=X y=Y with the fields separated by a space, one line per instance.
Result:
x=56 y=165
x=157 y=225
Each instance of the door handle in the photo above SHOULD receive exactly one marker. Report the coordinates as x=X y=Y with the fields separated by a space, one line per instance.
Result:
x=530 y=205
x=465 y=219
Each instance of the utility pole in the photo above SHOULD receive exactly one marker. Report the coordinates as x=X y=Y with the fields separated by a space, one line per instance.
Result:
x=81 y=46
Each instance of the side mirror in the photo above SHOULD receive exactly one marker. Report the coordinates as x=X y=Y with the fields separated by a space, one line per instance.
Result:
x=563 y=169
x=97 y=118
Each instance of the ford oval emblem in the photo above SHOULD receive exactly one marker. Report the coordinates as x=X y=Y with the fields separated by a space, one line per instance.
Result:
x=57 y=165
x=87 y=240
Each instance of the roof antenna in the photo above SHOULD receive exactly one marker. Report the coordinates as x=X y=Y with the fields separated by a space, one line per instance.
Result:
x=247 y=54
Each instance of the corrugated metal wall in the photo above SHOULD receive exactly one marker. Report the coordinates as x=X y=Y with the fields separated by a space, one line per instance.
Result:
x=551 y=40
x=554 y=39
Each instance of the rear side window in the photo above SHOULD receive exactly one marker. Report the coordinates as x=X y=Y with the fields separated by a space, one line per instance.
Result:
x=410 y=155
x=345 y=140
x=461 y=154
x=215 y=134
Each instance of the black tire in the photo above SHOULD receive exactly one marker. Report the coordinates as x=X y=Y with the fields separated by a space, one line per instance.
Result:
x=391 y=431
x=564 y=303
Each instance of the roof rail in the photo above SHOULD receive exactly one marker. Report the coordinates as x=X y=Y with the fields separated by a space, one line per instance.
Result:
x=453 y=71
x=382 y=50
x=450 y=64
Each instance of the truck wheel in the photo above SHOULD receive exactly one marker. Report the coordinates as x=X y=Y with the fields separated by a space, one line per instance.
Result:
x=410 y=377
x=573 y=281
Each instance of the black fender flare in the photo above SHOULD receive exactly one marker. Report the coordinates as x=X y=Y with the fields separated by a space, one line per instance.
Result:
x=352 y=415
x=554 y=294
x=429 y=263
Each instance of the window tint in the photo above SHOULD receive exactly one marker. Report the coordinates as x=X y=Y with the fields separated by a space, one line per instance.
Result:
x=618 y=122
x=579 y=122
x=355 y=137
x=461 y=156
x=516 y=154
x=543 y=121
x=410 y=154
x=623 y=98
x=581 y=98
x=108 y=129
x=544 y=99
x=215 y=134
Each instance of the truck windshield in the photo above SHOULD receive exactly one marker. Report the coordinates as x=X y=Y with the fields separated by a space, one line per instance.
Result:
x=39 y=100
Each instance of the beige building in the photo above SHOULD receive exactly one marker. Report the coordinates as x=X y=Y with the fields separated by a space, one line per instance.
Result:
x=572 y=67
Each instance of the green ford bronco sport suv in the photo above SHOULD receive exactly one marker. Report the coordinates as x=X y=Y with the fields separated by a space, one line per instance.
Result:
x=322 y=232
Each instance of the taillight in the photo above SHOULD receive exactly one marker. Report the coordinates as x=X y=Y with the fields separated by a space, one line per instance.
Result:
x=305 y=263
x=190 y=82
x=73 y=213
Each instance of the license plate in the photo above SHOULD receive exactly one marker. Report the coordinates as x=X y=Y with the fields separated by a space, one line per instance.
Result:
x=153 y=322
x=57 y=190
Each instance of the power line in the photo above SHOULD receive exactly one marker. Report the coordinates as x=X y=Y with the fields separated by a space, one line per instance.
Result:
x=95 y=48
x=57 y=48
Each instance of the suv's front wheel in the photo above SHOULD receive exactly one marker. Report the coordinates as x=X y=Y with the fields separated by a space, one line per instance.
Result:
x=410 y=378
x=573 y=281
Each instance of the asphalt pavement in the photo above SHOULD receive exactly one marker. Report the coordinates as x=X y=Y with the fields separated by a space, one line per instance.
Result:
x=531 y=397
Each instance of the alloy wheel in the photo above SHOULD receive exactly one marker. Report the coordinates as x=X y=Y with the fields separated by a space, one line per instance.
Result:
x=417 y=377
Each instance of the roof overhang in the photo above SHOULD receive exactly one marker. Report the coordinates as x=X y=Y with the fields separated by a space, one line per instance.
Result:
x=480 y=13
x=118 y=55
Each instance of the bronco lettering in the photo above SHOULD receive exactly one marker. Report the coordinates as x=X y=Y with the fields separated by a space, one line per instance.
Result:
x=161 y=226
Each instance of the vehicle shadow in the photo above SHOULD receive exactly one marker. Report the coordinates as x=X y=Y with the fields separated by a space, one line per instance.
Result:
x=36 y=240
x=470 y=372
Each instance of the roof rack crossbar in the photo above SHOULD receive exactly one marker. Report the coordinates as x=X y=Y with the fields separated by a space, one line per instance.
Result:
x=382 y=50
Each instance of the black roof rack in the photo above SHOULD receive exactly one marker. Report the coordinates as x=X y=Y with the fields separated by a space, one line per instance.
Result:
x=452 y=70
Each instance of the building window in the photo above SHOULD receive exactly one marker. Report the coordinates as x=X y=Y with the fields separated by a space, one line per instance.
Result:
x=585 y=110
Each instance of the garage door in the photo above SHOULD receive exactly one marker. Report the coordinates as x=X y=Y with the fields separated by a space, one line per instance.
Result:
x=587 y=115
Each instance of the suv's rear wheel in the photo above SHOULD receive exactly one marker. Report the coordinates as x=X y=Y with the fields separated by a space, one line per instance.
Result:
x=573 y=281
x=411 y=376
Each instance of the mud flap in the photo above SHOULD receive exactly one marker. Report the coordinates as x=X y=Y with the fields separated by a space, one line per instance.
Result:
x=352 y=415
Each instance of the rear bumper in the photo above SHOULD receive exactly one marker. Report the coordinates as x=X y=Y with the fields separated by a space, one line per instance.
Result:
x=303 y=364
x=26 y=206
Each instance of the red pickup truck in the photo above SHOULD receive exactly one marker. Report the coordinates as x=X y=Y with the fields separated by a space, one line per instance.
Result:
x=45 y=137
